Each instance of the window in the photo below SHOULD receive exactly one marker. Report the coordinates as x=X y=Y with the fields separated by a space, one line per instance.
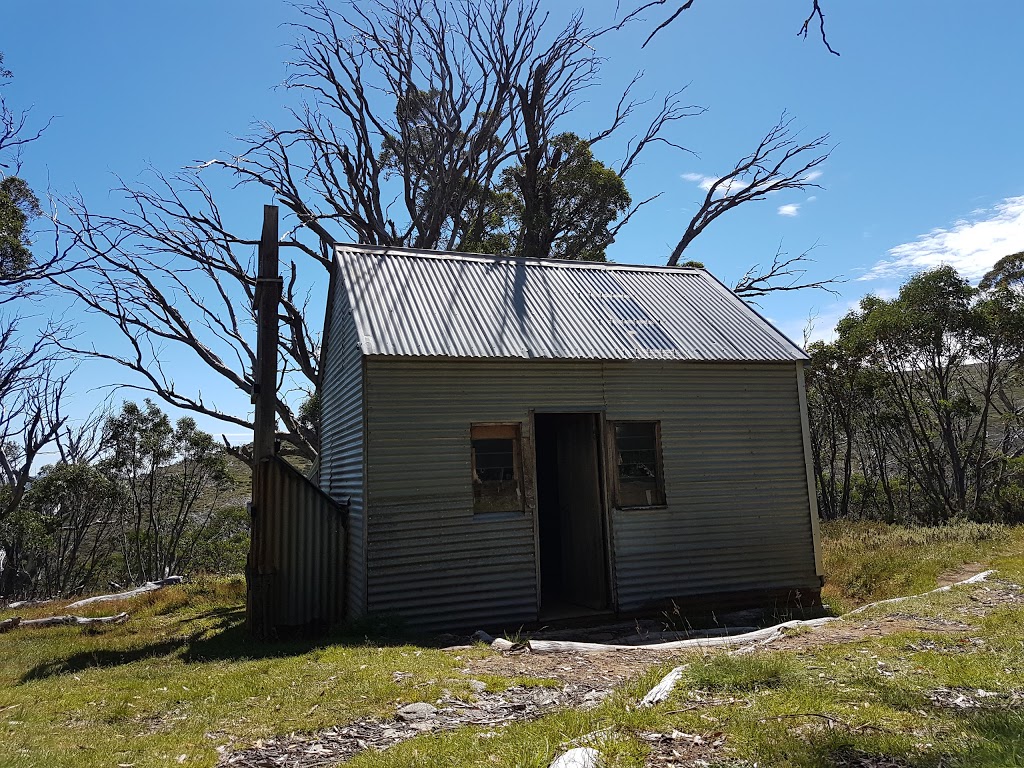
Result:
x=497 y=472
x=639 y=481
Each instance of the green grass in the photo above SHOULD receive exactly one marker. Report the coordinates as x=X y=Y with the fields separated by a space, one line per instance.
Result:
x=866 y=561
x=182 y=678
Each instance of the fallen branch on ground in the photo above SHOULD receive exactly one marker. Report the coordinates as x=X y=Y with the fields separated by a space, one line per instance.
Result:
x=828 y=718
x=663 y=689
x=27 y=603
x=53 y=621
x=563 y=646
x=580 y=757
x=749 y=640
x=149 y=586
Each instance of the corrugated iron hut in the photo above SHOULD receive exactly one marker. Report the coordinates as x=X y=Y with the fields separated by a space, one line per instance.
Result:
x=519 y=440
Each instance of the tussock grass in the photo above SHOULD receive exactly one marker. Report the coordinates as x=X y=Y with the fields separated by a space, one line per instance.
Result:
x=757 y=672
x=868 y=561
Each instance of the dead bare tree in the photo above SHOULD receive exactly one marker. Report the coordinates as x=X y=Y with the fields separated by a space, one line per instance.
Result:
x=167 y=272
x=415 y=113
x=412 y=110
x=31 y=392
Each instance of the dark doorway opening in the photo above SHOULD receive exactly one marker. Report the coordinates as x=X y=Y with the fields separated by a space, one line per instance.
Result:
x=570 y=512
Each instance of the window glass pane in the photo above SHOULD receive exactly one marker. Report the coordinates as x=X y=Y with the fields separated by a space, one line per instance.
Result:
x=640 y=483
x=496 y=486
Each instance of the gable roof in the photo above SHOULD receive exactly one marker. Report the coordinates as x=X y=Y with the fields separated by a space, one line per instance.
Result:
x=427 y=303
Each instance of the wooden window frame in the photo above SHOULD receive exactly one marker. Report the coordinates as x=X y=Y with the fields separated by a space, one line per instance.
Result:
x=499 y=431
x=613 y=465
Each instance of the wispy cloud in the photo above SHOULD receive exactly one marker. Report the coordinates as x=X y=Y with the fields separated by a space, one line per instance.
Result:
x=789 y=209
x=971 y=245
x=734 y=185
x=706 y=182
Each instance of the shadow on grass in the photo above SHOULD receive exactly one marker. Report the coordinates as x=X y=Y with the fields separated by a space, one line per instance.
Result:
x=223 y=637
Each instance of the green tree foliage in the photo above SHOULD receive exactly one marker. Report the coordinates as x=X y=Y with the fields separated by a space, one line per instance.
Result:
x=914 y=407
x=61 y=538
x=568 y=208
x=148 y=499
x=173 y=477
x=18 y=206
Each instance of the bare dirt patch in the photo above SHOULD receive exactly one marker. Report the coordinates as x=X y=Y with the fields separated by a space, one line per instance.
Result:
x=685 y=750
x=598 y=670
x=963 y=572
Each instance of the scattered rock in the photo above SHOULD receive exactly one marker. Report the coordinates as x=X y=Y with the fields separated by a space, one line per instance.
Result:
x=412 y=713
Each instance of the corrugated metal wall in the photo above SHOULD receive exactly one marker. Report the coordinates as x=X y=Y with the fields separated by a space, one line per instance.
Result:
x=297 y=556
x=738 y=515
x=342 y=441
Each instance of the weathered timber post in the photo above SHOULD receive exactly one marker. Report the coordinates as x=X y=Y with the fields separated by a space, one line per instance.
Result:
x=258 y=610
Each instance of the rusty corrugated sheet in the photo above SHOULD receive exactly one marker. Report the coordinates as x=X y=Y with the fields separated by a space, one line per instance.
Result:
x=297 y=556
x=466 y=306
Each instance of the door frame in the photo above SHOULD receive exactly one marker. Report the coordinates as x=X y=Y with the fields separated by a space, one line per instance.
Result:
x=604 y=480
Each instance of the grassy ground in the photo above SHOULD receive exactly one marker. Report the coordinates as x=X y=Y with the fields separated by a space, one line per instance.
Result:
x=180 y=679
x=866 y=561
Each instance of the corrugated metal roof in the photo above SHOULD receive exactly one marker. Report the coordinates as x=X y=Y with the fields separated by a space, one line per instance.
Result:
x=426 y=303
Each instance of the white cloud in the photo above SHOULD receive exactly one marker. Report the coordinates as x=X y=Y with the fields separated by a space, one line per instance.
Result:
x=972 y=246
x=789 y=209
x=706 y=182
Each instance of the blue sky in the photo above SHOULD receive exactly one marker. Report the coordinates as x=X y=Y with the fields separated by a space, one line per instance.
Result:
x=924 y=108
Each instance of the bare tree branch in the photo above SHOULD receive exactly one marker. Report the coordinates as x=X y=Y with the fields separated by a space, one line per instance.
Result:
x=778 y=162
x=815 y=12
x=785 y=273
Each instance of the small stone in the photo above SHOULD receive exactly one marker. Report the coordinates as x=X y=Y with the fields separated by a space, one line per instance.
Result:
x=478 y=686
x=593 y=698
x=417 y=712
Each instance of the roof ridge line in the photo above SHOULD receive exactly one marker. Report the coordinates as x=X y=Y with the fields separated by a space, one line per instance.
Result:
x=492 y=258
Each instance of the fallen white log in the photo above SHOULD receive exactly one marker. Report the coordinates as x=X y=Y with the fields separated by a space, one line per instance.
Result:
x=564 y=646
x=978 y=577
x=55 y=621
x=663 y=689
x=149 y=586
x=758 y=637
x=580 y=757
x=27 y=603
